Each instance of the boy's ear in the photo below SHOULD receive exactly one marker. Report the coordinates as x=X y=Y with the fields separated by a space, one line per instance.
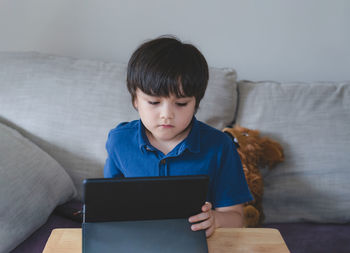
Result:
x=135 y=103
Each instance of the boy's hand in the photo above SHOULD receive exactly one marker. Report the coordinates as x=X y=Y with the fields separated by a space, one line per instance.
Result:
x=207 y=216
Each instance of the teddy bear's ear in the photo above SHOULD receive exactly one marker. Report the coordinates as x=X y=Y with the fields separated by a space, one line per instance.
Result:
x=273 y=152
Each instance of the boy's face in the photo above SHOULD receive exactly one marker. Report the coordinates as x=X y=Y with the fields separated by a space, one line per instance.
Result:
x=166 y=118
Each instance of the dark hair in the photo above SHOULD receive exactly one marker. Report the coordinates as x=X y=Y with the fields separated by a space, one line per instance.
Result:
x=166 y=66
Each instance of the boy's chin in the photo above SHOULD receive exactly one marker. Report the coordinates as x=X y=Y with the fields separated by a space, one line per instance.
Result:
x=168 y=136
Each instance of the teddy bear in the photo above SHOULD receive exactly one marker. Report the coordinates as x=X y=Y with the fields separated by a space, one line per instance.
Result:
x=256 y=153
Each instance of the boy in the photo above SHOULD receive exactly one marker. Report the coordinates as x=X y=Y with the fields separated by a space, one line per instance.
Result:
x=167 y=80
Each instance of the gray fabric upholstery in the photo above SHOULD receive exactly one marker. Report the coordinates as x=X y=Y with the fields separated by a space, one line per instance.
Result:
x=32 y=184
x=218 y=106
x=67 y=106
x=312 y=122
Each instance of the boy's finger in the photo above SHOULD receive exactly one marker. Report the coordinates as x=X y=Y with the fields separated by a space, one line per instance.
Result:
x=200 y=226
x=206 y=207
x=199 y=217
x=209 y=231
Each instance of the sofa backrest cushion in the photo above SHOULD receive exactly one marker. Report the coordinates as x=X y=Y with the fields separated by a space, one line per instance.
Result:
x=312 y=122
x=67 y=106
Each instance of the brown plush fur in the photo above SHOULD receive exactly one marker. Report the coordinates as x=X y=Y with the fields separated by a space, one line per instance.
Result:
x=256 y=152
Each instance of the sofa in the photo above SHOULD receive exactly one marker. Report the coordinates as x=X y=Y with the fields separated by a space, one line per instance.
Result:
x=56 y=112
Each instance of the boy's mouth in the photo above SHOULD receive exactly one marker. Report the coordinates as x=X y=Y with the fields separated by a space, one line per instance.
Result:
x=166 y=126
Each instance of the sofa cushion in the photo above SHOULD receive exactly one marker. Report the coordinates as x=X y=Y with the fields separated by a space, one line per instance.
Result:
x=311 y=121
x=309 y=237
x=32 y=184
x=218 y=106
x=67 y=106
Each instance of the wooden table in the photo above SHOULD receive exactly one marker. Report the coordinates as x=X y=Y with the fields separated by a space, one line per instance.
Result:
x=237 y=240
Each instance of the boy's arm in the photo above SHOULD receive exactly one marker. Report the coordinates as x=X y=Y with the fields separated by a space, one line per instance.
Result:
x=230 y=216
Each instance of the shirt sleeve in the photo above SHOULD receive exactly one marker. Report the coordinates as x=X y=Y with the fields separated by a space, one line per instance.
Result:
x=231 y=187
x=111 y=169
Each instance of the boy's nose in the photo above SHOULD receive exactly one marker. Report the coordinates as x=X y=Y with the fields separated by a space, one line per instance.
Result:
x=167 y=112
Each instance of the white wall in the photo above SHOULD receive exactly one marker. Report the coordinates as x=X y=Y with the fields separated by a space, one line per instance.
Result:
x=280 y=40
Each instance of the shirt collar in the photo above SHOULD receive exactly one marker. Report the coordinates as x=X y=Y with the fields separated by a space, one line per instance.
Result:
x=144 y=144
x=191 y=142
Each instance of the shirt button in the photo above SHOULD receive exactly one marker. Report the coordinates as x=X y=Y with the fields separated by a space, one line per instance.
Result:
x=162 y=162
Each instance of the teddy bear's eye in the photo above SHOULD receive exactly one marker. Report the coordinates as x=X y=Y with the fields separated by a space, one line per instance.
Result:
x=245 y=134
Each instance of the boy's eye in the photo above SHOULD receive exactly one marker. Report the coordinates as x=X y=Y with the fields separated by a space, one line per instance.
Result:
x=153 y=103
x=181 y=104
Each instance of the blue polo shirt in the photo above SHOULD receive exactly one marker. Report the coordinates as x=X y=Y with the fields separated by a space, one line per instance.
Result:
x=205 y=150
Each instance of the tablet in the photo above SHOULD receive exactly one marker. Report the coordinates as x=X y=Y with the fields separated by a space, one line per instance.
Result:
x=143 y=198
